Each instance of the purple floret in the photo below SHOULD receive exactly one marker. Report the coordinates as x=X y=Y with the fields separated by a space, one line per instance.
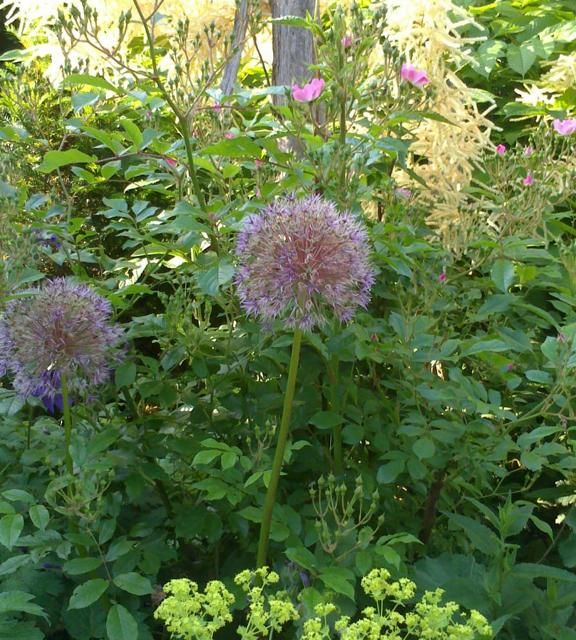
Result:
x=60 y=329
x=299 y=259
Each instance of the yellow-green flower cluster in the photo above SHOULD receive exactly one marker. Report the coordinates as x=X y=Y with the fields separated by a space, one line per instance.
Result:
x=192 y=615
x=266 y=613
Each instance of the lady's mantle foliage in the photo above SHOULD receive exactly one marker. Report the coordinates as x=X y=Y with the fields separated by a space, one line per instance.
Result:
x=300 y=258
x=60 y=329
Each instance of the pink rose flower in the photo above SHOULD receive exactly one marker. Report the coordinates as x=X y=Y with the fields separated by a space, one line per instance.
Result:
x=501 y=149
x=528 y=180
x=309 y=91
x=414 y=76
x=565 y=127
x=403 y=193
x=347 y=41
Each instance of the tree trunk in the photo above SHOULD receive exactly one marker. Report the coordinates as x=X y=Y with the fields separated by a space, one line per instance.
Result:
x=238 y=38
x=293 y=47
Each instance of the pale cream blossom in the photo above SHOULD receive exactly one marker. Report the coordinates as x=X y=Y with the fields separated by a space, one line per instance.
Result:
x=427 y=33
x=535 y=96
x=562 y=73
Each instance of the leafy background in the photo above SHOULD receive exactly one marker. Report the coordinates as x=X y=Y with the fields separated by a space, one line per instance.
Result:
x=454 y=394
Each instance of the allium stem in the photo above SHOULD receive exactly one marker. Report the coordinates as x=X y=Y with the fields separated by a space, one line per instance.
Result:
x=280 y=448
x=67 y=424
x=333 y=377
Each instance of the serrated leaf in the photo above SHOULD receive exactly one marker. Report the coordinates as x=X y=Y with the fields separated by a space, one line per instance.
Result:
x=133 y=583
x=56 y=159
x=120 y=624
x=13 y=564
x=87 y=593
x=483 y=538
x=19 y=601
x=533 y=570
x=340 y=580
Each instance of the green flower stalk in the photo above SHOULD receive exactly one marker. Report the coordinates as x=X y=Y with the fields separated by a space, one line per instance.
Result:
x=299 y=262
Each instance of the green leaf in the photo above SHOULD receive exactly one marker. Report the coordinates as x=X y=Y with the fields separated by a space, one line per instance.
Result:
x=39 y=515
x=536 y=375
x=78 y=566
x=120 y=624
x=13 y=564
x=86 y=80
x=487 y=56
x=18 y=495
x=532 y=570
x=238 y=147
x=10 y=529
x=340 y=580
x=521 y=58
x=205 y=457
x=326 y=419
x=125 y=374
x=485 y=345
x=133 y=583
x=390 y=471
x=213 y=278
x=483 y=538
x=424 y=448
x=132 y=131
x=502 y=274
x=12 y=601
x=119 y=548
x=56 y=159
x=302 y=557
x=87 y=593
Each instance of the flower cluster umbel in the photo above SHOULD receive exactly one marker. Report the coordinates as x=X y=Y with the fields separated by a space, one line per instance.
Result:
x=190 y=614
x=300 y=258
x=61 y=329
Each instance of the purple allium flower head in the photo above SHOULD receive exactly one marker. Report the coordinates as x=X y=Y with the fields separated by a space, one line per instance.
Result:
x=60 y=329
x=298 y=258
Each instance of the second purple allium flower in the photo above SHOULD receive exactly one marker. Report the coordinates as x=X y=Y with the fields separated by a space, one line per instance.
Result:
x=301 y=258
x=60 y=330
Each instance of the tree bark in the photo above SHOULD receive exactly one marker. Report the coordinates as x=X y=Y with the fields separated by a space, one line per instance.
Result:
x=238 y=38
x=293 y=47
